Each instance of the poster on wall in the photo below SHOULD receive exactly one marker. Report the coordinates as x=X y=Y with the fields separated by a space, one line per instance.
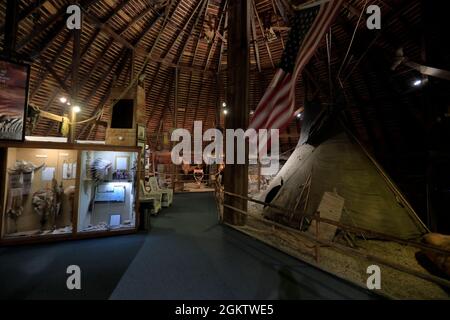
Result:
x=14 y=79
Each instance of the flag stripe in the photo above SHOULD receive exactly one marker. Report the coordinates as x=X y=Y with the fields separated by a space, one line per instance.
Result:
x=276 y=108
x=314 y=40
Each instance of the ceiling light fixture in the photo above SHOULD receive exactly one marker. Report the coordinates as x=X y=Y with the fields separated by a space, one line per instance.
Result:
x=63 y=99
x=417 y=83
x=76 y=109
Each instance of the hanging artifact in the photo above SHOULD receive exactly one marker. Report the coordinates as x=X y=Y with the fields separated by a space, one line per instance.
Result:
x=47 y=203
x=99 y=169
x=15 y=205
x=19 y=185
x=198 y=176
x=22 y=166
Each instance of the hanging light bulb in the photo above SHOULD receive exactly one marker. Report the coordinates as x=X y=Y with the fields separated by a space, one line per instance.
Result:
x=417 y=83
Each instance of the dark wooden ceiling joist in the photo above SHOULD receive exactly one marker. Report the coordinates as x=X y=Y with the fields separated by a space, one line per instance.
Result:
x=162 y=40
x=11 y=27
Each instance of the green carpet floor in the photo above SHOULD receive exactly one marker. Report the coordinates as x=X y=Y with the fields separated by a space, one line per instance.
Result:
x=186 y=255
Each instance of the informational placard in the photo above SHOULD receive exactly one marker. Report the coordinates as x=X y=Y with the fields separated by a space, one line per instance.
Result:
x=27 y=182
x=69 y=171
x=116 y=195
x=114 y=220
x=122 y=163
x=48 y=174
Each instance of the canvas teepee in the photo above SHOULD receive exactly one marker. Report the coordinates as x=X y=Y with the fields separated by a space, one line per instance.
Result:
x=330 y=168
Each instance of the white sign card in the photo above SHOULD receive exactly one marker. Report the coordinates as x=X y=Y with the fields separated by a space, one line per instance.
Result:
x=48 y=173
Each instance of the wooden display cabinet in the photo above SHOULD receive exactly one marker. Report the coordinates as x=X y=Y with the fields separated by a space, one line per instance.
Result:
x=25 y=199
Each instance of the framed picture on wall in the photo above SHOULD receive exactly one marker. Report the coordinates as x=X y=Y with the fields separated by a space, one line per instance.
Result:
x=14 y=81
x=141 y=132
x=142 y=146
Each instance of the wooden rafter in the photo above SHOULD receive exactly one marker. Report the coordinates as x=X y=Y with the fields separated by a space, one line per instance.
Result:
x=216 y=38
x=269 y=52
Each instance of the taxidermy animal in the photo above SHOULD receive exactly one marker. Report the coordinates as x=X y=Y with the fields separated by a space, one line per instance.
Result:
x=47 y=203
x=22 y=166
x=440 y=260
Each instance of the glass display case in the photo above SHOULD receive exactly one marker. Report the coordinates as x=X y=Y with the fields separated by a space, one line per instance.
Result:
x=107 y=198
x=40 y=189
x=56 y=190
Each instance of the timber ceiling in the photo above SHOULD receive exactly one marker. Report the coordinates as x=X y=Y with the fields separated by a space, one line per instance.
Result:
x=191 y=34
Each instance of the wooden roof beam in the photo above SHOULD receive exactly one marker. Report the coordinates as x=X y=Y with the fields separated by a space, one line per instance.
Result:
x=66 y=41
x=36 y=5
x=58 y=19
x=197 y=20
x=255 y=41
x=42 y=77
x=173 y=43
x=103 y=77
x=255 y=10
x=104 y=99
x=216 y=38
x=12 y=22
x=50 y=69
x=138 y=50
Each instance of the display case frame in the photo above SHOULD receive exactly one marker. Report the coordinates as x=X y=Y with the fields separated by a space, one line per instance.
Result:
x=75 y=234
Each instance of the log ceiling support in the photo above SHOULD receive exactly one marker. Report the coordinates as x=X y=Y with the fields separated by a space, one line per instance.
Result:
x=57 y=24
x=25 y=13
x=177 y=65
x=255 y=42
x=76 y=56
x=236 y=175
x=269 y=52
x=194 y=55
x=103 y=101
x=222 y=43
x=105 y=27
x=11 y=27
x=215 y=39
x=44 y=75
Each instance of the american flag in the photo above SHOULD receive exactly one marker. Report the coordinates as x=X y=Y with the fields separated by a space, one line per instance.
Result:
x=276 y=108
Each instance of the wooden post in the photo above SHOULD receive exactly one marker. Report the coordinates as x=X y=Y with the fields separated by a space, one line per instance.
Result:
x=76 y=54
x=175 y=125
x=259 y=176
x=236 y=175
x=11 y=27
x=317 y=249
